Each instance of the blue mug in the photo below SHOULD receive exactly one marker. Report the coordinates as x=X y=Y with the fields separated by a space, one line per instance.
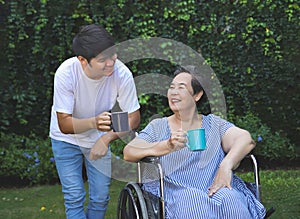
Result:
x=196 y=139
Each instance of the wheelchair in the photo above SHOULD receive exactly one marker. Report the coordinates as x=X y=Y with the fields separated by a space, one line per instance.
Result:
x=135 y=203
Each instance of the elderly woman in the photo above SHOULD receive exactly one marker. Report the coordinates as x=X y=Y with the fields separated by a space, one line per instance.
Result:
x=198 y=184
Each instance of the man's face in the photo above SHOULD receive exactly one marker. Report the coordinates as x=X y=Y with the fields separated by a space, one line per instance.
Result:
x=101 y=65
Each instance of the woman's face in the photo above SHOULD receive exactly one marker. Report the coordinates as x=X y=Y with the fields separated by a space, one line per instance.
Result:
x=180 y=93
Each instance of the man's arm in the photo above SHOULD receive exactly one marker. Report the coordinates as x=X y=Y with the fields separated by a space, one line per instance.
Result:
x=134 y=119
x=101 y=146
x=70 y=125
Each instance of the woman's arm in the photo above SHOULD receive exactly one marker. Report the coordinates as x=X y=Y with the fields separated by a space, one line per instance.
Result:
x=237 y=143
x=139 y=148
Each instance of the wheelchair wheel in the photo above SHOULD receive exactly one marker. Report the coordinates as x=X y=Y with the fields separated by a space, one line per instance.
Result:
x=131 y=203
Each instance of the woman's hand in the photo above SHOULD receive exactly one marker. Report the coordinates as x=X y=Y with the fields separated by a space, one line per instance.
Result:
x=222 y=180
x=177 y=140
x=99 y=149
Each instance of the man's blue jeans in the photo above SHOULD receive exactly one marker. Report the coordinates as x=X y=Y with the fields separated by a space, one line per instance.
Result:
x=69 y=160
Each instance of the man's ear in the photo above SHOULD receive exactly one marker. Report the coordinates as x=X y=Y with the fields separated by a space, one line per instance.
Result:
x=198 y=96
x=83 y=61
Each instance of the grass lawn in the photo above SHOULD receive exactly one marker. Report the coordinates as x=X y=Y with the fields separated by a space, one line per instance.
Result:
x=280 y=189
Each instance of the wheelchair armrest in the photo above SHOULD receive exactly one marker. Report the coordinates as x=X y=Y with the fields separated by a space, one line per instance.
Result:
x=150 y=159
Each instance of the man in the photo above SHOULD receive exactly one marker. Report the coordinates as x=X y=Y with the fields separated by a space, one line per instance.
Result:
x=86 y=87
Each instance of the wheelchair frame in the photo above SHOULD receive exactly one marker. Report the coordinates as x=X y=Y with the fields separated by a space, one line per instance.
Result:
x=132 y=203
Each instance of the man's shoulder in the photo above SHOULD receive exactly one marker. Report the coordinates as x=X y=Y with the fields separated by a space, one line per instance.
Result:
x=69 y=62
x=69 y=66
x=121 y=69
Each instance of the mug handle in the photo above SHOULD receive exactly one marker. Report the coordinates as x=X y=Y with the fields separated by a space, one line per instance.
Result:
x=187 y=142
x=111 y=125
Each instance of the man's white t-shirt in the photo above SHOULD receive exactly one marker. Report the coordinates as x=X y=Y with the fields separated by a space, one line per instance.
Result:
x=76 y=94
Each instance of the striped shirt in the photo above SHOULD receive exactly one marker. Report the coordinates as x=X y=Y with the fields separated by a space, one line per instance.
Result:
x=188 y=175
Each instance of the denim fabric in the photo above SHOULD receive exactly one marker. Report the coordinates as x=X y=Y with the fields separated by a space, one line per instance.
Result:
x=69 y=159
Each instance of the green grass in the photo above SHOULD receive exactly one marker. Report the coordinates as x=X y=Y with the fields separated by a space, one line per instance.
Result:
x=280 y=189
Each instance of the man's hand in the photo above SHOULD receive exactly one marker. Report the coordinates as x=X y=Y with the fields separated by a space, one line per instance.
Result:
x=99 y=149
x=103 y=122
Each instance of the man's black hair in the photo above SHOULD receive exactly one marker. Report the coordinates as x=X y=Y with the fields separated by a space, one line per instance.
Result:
x=92 y=40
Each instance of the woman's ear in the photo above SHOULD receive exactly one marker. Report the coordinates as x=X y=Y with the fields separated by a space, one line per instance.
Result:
x=83 y=61
x=198 y=95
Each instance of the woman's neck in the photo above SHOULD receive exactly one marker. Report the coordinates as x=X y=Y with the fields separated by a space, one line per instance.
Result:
x=187 y=121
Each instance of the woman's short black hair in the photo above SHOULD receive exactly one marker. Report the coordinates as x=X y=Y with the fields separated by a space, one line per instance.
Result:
x=203 y=103
x=92 y=40
x=190 y=69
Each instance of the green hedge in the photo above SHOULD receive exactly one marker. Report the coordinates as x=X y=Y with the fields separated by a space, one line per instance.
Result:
x=27 y=158
x=270 y=145
x=253 y=47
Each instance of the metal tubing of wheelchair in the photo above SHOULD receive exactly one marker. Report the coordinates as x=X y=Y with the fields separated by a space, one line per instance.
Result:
x=155 y=161
x=139 y=173
x=162 y=190
x=256 y=176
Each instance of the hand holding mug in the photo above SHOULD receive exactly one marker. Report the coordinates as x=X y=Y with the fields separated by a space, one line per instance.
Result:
x=177 y=140
x=103 y=122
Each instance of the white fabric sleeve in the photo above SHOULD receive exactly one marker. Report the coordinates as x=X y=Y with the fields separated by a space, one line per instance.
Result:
x=63 y=100
x=127 y=96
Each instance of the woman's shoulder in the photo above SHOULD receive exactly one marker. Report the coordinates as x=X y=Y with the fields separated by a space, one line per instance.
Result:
x=159 y=121
x=213 y=117
x=158 y=124
x=156 y=128
x=213 y=120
